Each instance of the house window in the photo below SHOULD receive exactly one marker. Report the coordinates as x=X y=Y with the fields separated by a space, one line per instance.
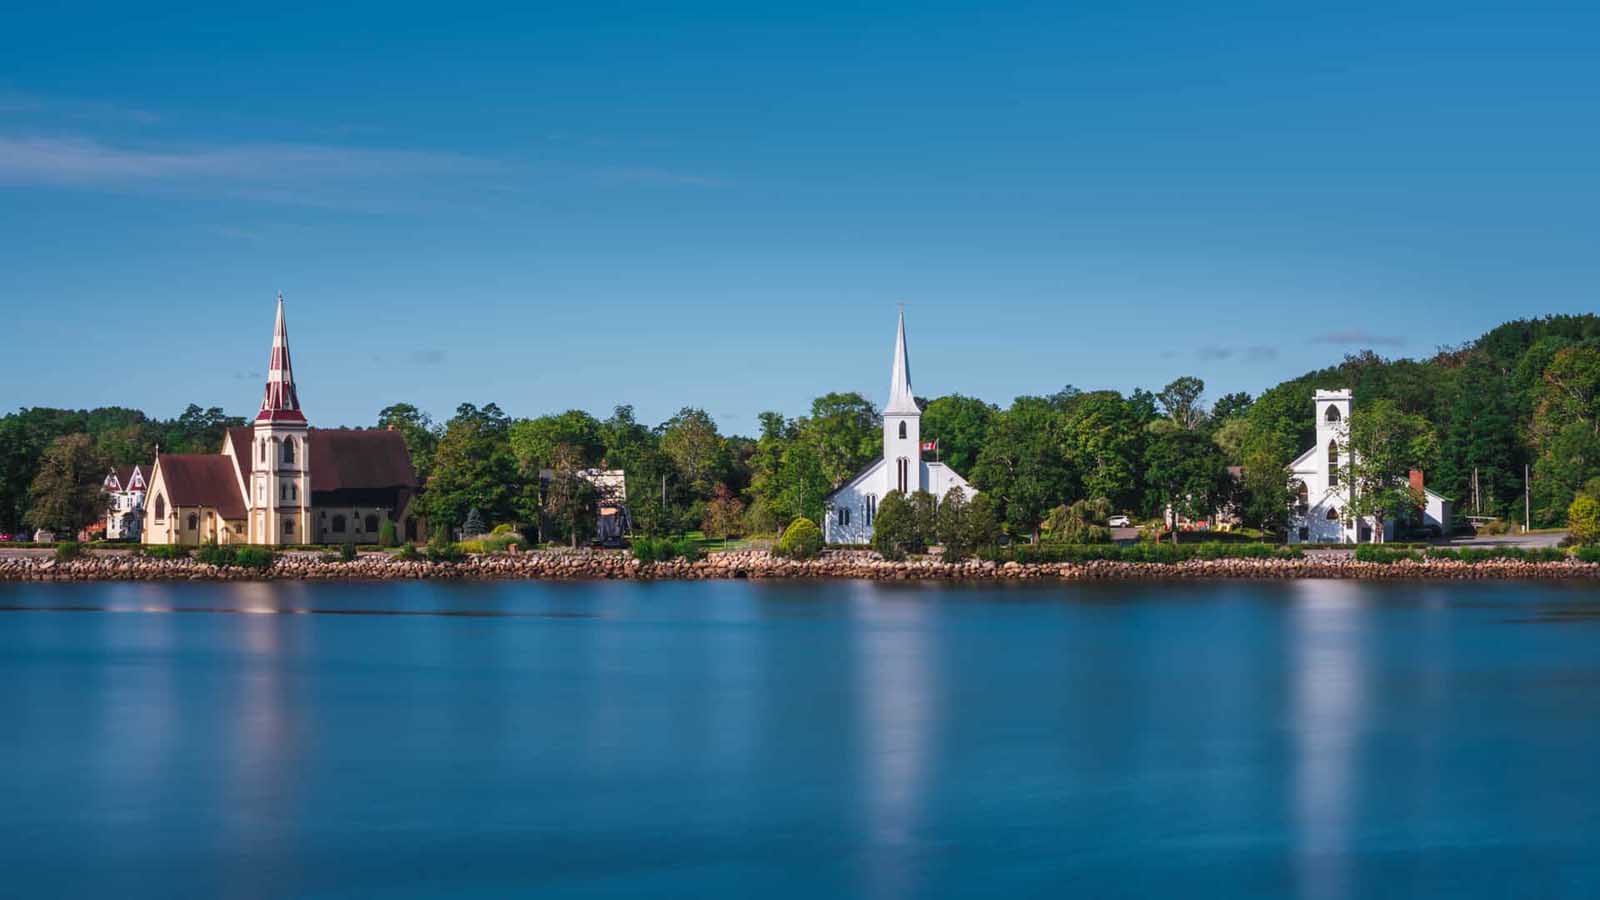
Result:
x=161 y=508
x=338 y=524
x=288 y=450
x=371 y=523
x=1332 y=414
x=902 y=431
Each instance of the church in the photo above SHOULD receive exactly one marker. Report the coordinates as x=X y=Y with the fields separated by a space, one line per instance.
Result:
x=1318 y=511
x=851 y=508
x=280 y=482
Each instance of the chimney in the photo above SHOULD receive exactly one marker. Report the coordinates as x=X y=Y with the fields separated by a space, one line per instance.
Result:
x=1416 y=480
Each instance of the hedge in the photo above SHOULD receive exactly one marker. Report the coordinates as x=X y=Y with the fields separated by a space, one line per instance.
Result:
x=1139 y=553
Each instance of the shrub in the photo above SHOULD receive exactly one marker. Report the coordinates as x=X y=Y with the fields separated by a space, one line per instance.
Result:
x=472 y=546
x=1583 y=520
x=446 y=552
x=1377 y=553
x=386 y=533
x=165 y=551
x=503 y=528
x=1485 y=554
x=347 y=552
x=801 y=540
x=1142 y=552
x=408 y=553
x=67 y=551
x=501 y=541
x=214 y=555
x=253 y=557
x=1589 y=554
x=662 y=549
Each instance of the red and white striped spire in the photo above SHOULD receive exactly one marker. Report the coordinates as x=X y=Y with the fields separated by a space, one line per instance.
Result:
x=280 y=403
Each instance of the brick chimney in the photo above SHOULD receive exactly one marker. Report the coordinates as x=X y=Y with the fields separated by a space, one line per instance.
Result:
x=1416 y=480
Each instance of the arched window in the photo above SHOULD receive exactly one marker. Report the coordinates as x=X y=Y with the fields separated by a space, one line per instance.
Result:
x=288 y=450
x=288 y=528
x=194 y=521
x=872 y=508
x=902 y=431
x=161 y=508
x=338 y=525
x=902 y=474
x=1333 y=514
x=1302 y=497
x=1333 y=455
x=263 y=453
x=1332 y=416
x=372 y=524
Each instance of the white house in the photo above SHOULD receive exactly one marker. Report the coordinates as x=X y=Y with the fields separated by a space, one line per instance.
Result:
x=125 y=485
x=1317 y=513
x=852 y=507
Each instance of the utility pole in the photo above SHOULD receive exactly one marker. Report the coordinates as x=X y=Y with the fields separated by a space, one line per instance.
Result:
x=1527 y=500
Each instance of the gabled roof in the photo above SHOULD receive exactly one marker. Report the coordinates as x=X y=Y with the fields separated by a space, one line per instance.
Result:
x=201 y=479
x=342 y=459
x=856 y=478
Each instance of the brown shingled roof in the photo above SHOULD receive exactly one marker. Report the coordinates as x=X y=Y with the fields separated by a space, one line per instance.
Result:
x=202 y=479
x=343 y=459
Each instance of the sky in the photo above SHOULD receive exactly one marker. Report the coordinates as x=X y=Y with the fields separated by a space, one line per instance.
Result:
x=721 y=205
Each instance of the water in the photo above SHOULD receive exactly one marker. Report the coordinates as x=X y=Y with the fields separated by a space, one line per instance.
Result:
x=1310 y=739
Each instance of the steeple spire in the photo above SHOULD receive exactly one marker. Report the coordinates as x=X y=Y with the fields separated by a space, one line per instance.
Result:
x=280 y=403
x=901 y=400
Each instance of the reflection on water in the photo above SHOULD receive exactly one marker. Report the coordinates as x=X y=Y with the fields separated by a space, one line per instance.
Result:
x=1311 y=740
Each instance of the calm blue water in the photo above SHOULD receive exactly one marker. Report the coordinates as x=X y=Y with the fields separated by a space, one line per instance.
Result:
x=1312 y=739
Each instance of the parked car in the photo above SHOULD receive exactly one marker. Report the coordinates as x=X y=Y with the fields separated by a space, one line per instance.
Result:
x=5 y=536
x=1119 y=522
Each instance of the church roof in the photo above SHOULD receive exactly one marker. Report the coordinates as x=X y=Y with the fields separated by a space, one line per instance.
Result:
x=901 y=400
x=342 y=459
x=201 y=479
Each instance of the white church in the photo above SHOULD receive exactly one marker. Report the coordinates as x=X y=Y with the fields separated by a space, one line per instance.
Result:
x=852 y=507
x=1318 y=514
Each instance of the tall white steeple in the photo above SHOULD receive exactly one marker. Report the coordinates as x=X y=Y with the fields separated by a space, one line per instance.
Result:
x=902 y=422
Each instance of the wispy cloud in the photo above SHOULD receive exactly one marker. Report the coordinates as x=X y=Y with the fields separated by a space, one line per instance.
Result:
x=426 y=357
x=1360 y=336
x=1252 y=353
x=85 y=161
x=32 y=106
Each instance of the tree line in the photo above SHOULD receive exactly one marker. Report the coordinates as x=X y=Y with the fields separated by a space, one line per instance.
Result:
x=1471 y=417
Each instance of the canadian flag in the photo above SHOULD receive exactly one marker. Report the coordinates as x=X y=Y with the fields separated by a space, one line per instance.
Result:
x=930 y=445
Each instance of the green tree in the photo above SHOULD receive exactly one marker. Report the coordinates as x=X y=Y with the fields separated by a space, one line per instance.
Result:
x=1185 y=473
x=474 y=467
x=845 y=433
x=960 y=425
x=417 y=430
x=1181 y=401
x=894 y=529
x=1022 y=466
x=690 y=439
x=67 y=494
x=1101 y=434
x=1385 y=444
x=982 y=525
x=534 y=441
x=568 y=497
x=953 y=531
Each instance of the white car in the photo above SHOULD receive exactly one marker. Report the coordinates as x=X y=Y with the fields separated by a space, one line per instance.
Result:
x=1119 y=522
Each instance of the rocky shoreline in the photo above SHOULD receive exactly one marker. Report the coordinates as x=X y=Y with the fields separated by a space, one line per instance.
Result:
x=586 y=565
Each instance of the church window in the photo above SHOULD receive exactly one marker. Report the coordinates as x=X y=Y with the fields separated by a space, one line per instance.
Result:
x=902 y=480
x=371 y=523
x=1332 y=415
x=1333 y=455
x=1333 y=514
x=288 y=450
x=338 y=524
x=161 y=508
x=288 y=527
x=844 y=515
x=263 y=453
x=194 y=521
x=872 y=508
x=1302 y=498
x=902 y=431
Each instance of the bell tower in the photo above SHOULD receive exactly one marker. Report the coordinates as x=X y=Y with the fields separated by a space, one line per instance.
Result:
x=280 y=479
x=902 y=423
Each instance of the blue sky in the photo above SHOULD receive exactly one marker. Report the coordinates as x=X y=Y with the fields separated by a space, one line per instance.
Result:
x=720 y=204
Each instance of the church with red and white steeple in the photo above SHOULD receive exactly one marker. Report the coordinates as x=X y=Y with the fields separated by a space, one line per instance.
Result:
x=278 y=481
